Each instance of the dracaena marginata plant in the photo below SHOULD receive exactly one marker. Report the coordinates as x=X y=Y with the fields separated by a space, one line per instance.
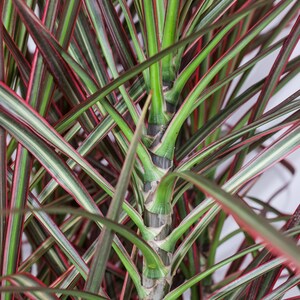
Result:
x=130 y=132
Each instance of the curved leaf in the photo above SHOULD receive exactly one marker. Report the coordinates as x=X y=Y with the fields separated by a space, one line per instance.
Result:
x=256 y=225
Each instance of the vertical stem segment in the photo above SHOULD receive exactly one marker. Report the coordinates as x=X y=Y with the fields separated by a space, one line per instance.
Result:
x=159 y=287
x=158 y=216
x=169 y=37
x=157 y=118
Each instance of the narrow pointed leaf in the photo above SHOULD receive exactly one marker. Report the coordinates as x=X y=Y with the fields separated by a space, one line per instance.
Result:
x=99 y=262
x=255 y=224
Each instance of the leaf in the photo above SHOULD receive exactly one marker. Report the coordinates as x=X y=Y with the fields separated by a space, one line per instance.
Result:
x=33 y=288
x=266 y=40
x=22 y=63
x=231 y=107
x=256 y=225
x=279 y=292
x=272 y=79
x=169 y=37
x=98 y=22
x=64 y=78
x=16 y=107
x=12 y=243
x=3 y=164
x=287 y=106
x=66 y=280
x=27 y=281
x=185 y=75
x=59 y=171
x=221 y=293
x=208 y=13
x=287 y=143
x=101 y=256
x=156 y=117
x=176 y=293
x=154 y=265
x=21 y=178
x=165 y=148
x=192 y=281
x=76 y=112
x=277 y=70
x=118 y=34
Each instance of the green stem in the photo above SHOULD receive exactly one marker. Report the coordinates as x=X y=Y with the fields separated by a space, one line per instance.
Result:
x=169 y=38
x=156 y=118
x=185 y=75
x=160 y=12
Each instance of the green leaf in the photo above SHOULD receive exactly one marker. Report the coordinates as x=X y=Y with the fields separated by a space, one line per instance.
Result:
x=256 y=225
x=229 y=288
x=76 y=112
x=287 y=106
x=166 y=147
x=273 y=79
x=156 y=117
x=17 y=107
x=195 y=279
x=287 y=143
x=101 y=256
x=280 y=291
x=27 y=282
x=176 y=293
x=59 y=170
x=12 y=244
x=65 y=79
x=24 y=284
x=118 y=34
x=154 y=265
x=169 y=37
x=185 y=75
x=206 y=14
x=234 y=104
x=97 y=20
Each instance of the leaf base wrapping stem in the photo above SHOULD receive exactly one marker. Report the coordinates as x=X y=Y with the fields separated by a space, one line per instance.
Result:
x=158 y=288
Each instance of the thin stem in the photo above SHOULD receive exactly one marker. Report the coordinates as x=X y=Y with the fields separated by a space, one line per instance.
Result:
x=156 y=117
x=169 y=37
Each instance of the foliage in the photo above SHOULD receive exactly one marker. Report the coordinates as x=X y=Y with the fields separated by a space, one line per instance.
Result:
x=120 y=197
